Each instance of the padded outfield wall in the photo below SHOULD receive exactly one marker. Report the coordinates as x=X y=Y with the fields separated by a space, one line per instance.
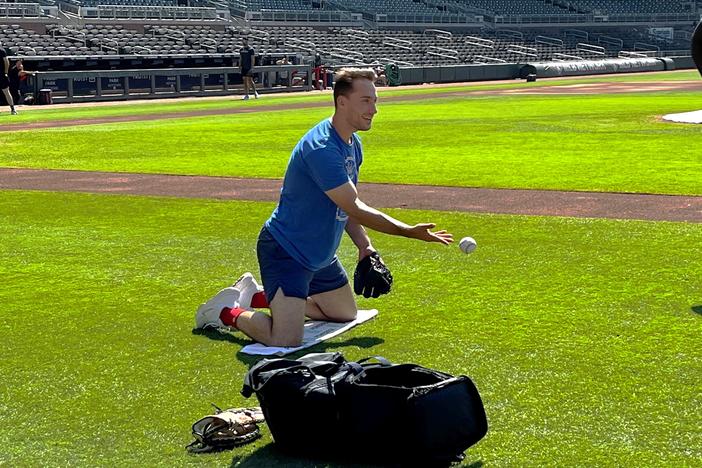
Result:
x=113 y=85
x=461 y=73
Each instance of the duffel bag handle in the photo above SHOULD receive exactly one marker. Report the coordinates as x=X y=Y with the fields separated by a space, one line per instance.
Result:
x=250 y=386
x=383 y=362
x=358 y=369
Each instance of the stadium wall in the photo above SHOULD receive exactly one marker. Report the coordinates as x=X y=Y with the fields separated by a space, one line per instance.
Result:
x=115 y=85
x=458 y=73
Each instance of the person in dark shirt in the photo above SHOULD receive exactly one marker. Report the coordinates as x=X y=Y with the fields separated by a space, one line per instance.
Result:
x=247 y=61
x=697 y=47
x=318 y=71
x=17 y=75
x=4 y=80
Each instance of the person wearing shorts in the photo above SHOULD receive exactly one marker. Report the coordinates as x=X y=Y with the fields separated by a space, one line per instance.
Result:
x=4 y=80
x=247 y=61
x=296 y=248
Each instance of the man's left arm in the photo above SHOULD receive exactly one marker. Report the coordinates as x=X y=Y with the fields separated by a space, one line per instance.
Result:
x=360 y=238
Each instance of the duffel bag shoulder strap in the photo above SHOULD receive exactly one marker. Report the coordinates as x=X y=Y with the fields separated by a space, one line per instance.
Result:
x=262 y=371
x=324 y=364
x=381 y=360
x=336 y=357
x=316 y=363
x=357 y=368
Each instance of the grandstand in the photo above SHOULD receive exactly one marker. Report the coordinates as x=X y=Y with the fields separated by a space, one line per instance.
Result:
x=337 y=46
x=515 y=8
x=603 y=7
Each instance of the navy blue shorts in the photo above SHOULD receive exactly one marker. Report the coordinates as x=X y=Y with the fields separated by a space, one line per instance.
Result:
x=280 y=270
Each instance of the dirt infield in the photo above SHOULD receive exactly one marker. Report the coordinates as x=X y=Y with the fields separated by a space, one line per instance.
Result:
x=505 y=201
x=561 y=89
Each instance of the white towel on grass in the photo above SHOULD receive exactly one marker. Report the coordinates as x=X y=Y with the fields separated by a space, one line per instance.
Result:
x=316 y=331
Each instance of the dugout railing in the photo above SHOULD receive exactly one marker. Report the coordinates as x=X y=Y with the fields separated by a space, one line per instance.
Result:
x=113 y=85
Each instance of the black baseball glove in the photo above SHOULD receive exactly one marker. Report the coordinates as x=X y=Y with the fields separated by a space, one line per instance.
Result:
x=372 y=278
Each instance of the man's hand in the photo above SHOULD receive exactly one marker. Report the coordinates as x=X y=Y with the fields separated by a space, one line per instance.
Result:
x=423 y=232
x=363 y=253
x=346 y=197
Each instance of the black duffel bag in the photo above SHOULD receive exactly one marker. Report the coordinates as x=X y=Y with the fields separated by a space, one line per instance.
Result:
x=381 y=412
x=422 y=416
x=298 y=400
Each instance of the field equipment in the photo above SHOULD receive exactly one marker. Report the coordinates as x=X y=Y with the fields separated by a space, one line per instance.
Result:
x=226 y=429
x=371 y=277
x=321 y=404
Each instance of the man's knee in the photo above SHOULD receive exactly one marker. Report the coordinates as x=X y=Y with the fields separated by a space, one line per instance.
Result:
x=347 y=314
x=286 y=338
x=285 y=342
x=339 y=312
x=287 y=320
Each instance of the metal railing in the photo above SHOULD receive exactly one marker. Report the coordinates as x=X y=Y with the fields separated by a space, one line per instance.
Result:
x=479 y=42
x=590 y=18
x=549 y=41
x=420 y=18
x=147 y=13
x=302 y=16
x=20 y=10
x=590 y=49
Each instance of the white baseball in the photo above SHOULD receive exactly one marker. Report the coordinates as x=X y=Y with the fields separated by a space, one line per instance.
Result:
x=467 y=245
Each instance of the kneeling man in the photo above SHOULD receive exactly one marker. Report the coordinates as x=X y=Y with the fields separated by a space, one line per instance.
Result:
x=301 y=274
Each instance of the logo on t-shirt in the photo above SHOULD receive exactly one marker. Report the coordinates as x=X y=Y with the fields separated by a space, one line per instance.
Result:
x=350 y=164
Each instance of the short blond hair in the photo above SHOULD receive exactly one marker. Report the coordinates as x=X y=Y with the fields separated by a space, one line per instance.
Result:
x=343 y=80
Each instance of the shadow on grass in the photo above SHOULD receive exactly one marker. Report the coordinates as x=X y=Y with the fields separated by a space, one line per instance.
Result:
x=269 y=455
x=361 y=342
x=697 y=309
x=215 y=334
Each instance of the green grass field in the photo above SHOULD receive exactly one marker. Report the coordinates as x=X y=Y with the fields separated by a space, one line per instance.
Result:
x=163 y=107
x=582 y=353
x=584 y=336
x=585 y=143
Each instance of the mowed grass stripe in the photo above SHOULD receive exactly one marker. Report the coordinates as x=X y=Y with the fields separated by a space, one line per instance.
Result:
x=588 y=143
x=584 y=336
x=234 y=102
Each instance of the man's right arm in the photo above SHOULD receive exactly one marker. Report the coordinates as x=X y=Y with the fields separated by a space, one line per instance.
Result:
x=346 y=197
x=5 y=65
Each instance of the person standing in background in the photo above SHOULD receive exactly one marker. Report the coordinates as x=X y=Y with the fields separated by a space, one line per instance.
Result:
x=247 y=61
x=4 y=80
x=17 y=75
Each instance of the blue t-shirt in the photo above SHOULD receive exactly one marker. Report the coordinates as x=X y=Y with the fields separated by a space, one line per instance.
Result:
x=306 y=222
